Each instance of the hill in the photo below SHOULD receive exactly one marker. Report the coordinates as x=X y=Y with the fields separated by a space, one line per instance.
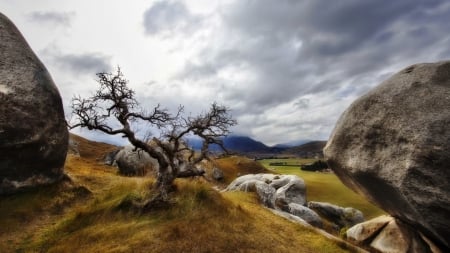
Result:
x=310 y=149
x=91 y=212
x=240 y=145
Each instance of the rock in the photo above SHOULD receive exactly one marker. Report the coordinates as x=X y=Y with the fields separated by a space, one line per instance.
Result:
x=395 y=237
x=294 y=191
x=110 y=158
x=365 y=230
x=217 y=174
x=255 y=183
x=391 y=145
x=33 y=132
x=306 y=214
x=133 y=162
x=235 y=185
x=275 y=191
x=342 y=217
x=386 y=234
x=266 y=194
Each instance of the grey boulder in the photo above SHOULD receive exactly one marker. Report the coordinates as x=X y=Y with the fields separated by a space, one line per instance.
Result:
x=274 y=191
x=293 y=191
x=340 y=216
x=386 y=234
x=306 y=214
x=135 y=162
x=33 y=131
x=392 y=145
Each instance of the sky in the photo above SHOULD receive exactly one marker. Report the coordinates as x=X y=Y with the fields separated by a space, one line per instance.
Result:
x=287 y=69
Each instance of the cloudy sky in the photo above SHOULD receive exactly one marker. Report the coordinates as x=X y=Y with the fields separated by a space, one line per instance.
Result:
x=286 y=68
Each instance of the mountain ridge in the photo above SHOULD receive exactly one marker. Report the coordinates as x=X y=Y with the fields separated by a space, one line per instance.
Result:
x=245 y=144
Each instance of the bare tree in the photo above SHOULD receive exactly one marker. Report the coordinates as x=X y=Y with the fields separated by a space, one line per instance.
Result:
x=115 y=102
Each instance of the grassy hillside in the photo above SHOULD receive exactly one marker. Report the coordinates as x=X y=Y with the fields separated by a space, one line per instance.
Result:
x=325 y=187
x=235 y=166
x=313 y=147
x=92 y=213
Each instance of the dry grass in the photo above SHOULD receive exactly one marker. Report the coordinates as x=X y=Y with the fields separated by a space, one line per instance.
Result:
x=65 y=219
x=234 y=166
x=91 y=149
x=200 y=220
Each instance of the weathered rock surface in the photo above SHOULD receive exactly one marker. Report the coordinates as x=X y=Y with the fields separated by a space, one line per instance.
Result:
x=287 y=188
x=306 y=214
x=133 y=162
x=365 y=230
x=33 y=132
x=340 y=216
x=386 y=234
x=267 y=178
x=281 y=192
x=294 y=191
x=392 y=145
x=110 y=157
x=266 y=194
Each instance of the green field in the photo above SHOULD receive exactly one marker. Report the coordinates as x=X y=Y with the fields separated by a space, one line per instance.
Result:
x=324 y=187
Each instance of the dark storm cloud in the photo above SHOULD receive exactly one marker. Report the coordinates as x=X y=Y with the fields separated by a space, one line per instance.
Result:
x=51 y=17
x=285 y=51
x=294 y=48
x=169 y=17
x=88 y=63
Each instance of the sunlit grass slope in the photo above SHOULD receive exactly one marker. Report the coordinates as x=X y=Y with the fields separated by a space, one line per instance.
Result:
x=235 y=166
x=200 y=220
x=92 y=213
x=325 y=187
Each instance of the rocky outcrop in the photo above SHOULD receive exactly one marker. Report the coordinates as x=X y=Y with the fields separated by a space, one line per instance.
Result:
x=281 y=192
x=133 y=162
x=33 y=132
x=288 y=188
x=339 y=216
x=287 y=193
x=306 y=214
x=293 y=191
x=386 y=234
x=391 y=145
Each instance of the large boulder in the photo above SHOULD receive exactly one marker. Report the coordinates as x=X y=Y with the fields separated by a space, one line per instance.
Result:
x=135 y=162
x=392 y=145
x=33 y=132
x=386 y=234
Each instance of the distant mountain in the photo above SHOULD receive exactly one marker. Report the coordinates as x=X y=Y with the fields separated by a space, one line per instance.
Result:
x=245 y=144
x=310 y=149
x=291 y=144
x=241 y=144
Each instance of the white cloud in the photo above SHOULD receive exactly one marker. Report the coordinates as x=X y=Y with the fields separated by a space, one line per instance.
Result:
x=287 y=69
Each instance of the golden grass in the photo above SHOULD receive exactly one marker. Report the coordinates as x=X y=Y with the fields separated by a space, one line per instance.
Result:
x=234 y=166
x=63 y=218
x=200 y=220
x=91 y=149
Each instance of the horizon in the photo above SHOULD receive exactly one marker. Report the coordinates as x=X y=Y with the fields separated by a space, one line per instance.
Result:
x=286 y=69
